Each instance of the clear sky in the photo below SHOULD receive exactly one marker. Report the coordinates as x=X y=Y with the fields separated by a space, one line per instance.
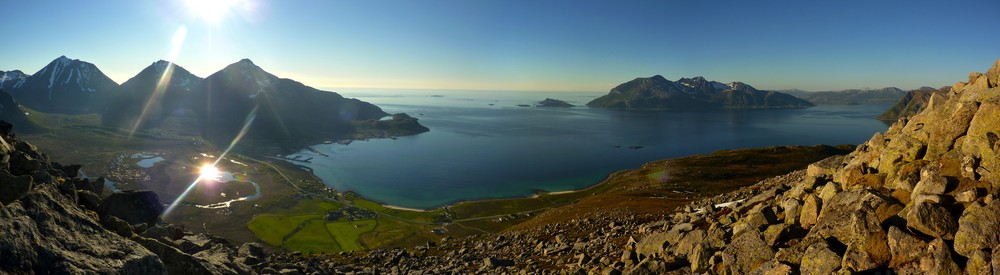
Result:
x=573 y=45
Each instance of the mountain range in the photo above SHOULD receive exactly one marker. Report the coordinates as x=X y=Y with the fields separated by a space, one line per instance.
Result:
x=658 y=93
x=851 y=96
x=282 y=109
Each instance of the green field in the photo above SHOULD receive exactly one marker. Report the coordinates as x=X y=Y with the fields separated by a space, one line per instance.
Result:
x=348 y=233
x=313 y=237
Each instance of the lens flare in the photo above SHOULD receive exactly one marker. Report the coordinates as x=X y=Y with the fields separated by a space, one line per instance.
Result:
x=164 y=82
x=211 y=171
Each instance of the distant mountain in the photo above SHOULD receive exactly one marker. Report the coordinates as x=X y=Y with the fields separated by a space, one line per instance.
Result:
x=67 y=86
x=286 y=110
x=912 y=103
x=850 y=97
x=146 y=92
x=658 y=93
x=12 y=79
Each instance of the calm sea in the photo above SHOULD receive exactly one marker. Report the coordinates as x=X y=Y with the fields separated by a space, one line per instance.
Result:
x=482 y=145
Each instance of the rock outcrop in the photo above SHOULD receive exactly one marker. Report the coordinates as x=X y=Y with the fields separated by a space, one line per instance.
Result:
x=56 y=223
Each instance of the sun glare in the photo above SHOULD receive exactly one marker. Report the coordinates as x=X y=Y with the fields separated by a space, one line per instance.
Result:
x=212 y=11
x=210 y=172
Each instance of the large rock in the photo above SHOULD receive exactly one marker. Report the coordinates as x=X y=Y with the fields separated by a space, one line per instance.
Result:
x=13 y=187
x=819 y=259
x=931 y=182
x=178 y=262
x=979 y=263
x=810 y=211
x=932 y=219
x=981 y=142
x=652 y=244
x=45 y=233
x=904 y=247
x=749 y=251
x=854 y=218
x=135 y=207
x=939 y=259
x=978 y=228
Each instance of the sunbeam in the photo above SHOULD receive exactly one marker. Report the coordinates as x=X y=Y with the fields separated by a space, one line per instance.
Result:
x=164 y=82
x=207 y=171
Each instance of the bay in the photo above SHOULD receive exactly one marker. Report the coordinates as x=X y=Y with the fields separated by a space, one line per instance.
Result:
x=483 y=145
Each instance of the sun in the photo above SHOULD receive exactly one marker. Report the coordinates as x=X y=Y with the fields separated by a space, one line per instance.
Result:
x=212 y=11
x=210 y=172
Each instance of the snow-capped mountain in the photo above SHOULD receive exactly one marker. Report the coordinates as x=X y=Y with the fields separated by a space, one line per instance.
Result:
x=12 y=79
x=66 y=86
x=145 y=90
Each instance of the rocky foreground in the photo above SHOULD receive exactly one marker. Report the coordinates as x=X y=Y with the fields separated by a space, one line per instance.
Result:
x=922 y=198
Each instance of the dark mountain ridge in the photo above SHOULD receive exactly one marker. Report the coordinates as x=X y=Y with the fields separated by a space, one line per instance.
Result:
x=66 y=86
x=160 y=89
x=658 y=93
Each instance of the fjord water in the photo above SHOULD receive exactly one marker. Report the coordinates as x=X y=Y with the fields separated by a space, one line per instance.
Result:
x=478 y=151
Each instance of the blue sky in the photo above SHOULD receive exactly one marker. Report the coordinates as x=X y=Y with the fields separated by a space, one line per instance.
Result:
x=521 y=45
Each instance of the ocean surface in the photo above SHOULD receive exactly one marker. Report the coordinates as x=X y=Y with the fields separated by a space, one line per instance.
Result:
x=482 y=145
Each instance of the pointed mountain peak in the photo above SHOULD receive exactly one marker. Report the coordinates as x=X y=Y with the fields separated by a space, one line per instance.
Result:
x=245 y=60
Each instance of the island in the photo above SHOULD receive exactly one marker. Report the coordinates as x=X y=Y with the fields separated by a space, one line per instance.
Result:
x=549 y=102
x=658 y=93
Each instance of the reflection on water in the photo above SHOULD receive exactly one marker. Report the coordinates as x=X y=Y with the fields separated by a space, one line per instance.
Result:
x=227 y=177
x=475 y=150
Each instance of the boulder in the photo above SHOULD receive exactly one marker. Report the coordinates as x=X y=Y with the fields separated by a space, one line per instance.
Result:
x=700 y=257
x=687 y=244
x=117 y=225
x=773 y=267
x=810 y=211
x=652 y=244
x=939 y=259
x=981 y=142
x=979 y=263
x=792 y=209
x=931 y=182
x=13 y=187
x=755 y=220
x=88 y=200
x=932 y=219
x=776 y=234
x=904 y=247
x=46 y=233
x=825 y=168
x=977 y=228
x=496 y=262
x=178 y=262
x=134 y=207
x=819 y=259
x=829 y=190
x=749 y=251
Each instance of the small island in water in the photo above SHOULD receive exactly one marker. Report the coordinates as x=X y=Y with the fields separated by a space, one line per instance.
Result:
x=548 y=102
